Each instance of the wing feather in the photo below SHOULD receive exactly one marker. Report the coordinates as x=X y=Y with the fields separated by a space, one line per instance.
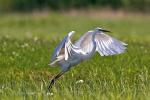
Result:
x=107 y=45
x=59 y=48
x=68 y=48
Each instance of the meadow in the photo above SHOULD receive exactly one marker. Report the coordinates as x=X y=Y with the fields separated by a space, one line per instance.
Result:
x=28 y=40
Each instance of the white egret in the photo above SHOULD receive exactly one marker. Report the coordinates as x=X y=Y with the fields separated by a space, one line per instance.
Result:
x=67 y=54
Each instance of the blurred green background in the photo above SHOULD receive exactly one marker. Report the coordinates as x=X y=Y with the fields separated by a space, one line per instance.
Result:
x=31 y=29
x=29 y=5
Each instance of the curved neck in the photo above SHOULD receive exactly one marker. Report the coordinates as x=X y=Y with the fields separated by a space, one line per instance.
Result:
x=94 y=45
x=93 y=37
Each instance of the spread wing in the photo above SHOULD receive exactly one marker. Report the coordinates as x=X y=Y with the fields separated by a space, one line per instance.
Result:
x=68 y=47
x=107 y=45
x=58 y=48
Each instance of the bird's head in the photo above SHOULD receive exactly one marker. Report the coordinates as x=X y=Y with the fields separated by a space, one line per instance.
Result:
x=102 y=30
x=71 y=33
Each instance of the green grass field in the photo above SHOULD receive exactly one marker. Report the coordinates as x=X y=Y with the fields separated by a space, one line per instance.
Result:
x=28 y=40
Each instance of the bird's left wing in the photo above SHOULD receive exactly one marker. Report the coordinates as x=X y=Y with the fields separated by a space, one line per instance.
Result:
x=107 y=45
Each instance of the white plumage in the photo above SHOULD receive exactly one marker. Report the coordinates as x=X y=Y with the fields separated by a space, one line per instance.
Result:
x=67 y=54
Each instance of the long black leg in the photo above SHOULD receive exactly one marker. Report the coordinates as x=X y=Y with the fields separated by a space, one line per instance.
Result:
x=54 y=79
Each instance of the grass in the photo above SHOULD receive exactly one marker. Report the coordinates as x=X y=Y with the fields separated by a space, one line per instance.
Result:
x=27 y=41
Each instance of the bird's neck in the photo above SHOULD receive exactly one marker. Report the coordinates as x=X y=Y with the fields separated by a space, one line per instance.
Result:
x=93 y=37
x=94 y=42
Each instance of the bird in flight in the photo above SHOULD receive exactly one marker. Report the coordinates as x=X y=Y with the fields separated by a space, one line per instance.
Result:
x=67 y=54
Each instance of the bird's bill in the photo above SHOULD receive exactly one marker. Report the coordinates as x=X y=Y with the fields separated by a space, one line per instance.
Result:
x=103 y=30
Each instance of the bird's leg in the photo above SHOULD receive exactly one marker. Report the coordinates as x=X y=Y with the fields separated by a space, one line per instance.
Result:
x=54 y=79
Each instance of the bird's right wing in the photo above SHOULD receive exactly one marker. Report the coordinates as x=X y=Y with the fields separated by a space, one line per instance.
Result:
x=72 y=50
x=69 y=48
x=107 y=45
x=58 y=49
